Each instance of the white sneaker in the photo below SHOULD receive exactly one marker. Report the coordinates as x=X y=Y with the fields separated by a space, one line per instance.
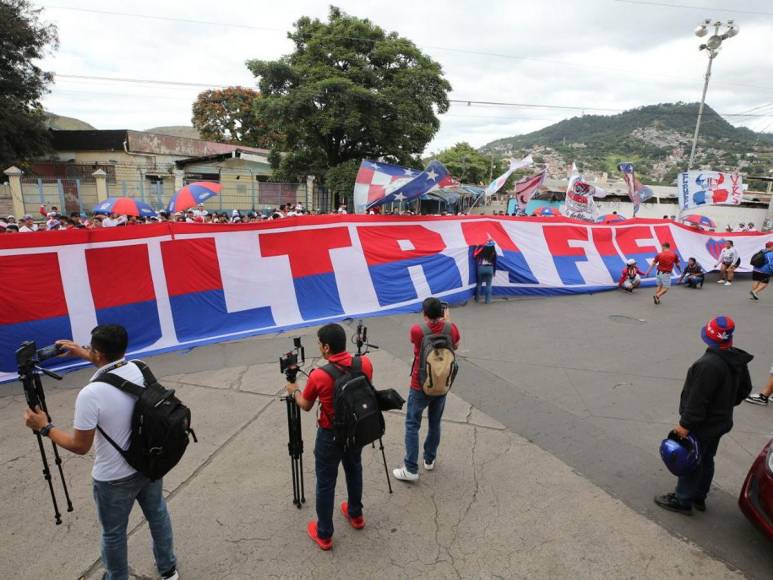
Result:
x=172 y=576
x=403 y=474
x=721 y=281
x=429 y=466
x=728 y=283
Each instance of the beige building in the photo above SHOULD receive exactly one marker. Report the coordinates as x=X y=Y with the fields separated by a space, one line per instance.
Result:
x=89 y=165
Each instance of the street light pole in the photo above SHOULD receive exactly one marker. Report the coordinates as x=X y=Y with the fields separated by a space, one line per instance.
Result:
x=712 y=46
x=700 y=110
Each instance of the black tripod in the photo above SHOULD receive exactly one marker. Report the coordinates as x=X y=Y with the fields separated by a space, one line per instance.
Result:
x=29 y=375
x=361 y=339
x=295 y=448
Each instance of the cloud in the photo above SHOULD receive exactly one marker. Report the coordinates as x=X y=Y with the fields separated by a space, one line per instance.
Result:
x=595 y=53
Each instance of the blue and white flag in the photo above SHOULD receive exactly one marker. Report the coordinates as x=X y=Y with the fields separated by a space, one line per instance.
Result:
x=401 y=190
x=500 y=181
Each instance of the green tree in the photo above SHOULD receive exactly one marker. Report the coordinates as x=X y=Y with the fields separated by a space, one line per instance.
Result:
x=230 y=116
x=340 y=179
x=468 y=165
x=349 y=91
x=23 y=40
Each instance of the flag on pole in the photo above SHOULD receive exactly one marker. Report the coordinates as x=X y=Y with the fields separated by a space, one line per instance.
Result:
x=410 y=189
x=636 y=191
x=579 y=197
x=527 y=187
x=372 y=180
x=499 y=182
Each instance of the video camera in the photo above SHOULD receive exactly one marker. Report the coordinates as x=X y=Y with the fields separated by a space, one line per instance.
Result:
x=28 y=359
x=28 y=353
x=361 y=339
x=289 y=363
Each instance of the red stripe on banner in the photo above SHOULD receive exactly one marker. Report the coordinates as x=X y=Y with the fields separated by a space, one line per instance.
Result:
x=628 y=240
x=35 y=290
x=602 y=239
x=120 y=276
x=381 y=244
x=364 y=176
x=308 y=250
x=477 y=233
x=191 y=266
x=558 y=239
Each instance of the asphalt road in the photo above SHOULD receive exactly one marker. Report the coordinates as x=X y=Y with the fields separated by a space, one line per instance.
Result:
x=595 y=380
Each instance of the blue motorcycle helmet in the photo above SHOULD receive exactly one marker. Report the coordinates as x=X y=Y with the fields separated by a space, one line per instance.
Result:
x=681 y=456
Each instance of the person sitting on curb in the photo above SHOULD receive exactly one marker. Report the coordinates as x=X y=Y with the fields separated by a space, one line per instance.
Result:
x=761 y=274
x=693 y=273
x=762 y=397
x=728 y=261
x=630 y=278
x=715 y=384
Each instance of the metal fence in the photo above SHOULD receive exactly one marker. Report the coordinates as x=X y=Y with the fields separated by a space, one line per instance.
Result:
x=71 y=195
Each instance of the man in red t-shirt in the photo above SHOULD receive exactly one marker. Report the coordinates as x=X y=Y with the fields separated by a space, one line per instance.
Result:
x=665 y=261
x=327 y=453
x=435 y=316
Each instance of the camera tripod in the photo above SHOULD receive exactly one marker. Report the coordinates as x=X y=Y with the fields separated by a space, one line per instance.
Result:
x=361 y=339
x=295 y=448
x=29 y=375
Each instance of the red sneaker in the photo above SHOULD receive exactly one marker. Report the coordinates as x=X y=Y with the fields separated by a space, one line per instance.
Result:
x=357 y=523
x=324 y=544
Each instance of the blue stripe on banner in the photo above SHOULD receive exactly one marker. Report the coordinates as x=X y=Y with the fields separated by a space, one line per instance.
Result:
x=567 y=269
x=201 y=314
x=140 y=320
x=516 y=266
x=615 y=266
x=317 y=296
x=43 y=332
x=393 y=282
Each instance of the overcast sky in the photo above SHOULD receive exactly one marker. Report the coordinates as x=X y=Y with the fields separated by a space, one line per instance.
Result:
x=604 y=54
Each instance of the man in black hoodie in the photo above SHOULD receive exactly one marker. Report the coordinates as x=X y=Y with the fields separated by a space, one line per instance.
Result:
x=715 y=383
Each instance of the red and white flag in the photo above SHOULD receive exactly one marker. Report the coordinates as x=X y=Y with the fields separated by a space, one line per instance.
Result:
x=527 y=187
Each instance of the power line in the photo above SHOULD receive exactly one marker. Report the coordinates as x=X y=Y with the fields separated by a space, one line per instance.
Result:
x=622 y=71
x=703 y=8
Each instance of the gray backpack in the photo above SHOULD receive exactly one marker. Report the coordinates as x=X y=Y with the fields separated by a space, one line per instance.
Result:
x=437 y=361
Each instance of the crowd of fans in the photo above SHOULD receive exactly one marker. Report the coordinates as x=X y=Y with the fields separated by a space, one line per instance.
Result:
x=54 y=219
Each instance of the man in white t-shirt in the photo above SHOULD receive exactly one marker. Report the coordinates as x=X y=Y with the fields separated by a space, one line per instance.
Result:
x=116 y=484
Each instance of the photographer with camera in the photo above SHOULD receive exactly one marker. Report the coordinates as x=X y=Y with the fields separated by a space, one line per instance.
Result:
x=104 y=408
x=329 y=453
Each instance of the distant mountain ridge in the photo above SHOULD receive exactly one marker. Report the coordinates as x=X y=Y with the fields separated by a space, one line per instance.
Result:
x=176 y=131
x=60 y=123
x=657 y=138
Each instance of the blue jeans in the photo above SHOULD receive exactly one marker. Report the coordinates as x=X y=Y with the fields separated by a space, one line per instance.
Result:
x=696 y=485
x=417 y=402
x=115 y=500
x=485 y=276
x=327 y=455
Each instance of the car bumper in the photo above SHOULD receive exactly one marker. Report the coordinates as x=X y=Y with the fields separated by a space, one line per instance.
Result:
x=756 y=499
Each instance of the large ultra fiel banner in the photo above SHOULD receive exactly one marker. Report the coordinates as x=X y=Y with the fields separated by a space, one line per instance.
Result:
x=175 y=286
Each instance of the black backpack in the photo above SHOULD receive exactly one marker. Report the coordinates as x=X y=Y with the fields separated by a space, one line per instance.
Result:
x=160 y=425
x=358 y=419
x=758 y=259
